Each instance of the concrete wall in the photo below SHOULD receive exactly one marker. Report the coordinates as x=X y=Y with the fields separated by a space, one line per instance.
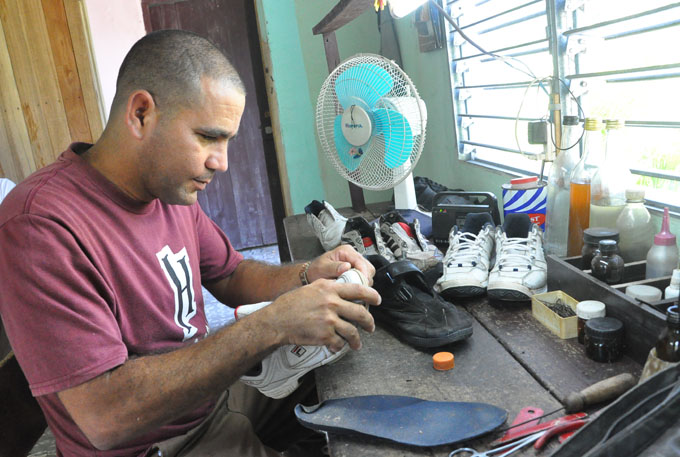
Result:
x=114 y=28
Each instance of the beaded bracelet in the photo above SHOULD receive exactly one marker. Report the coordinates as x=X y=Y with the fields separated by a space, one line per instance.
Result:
x=303 y=273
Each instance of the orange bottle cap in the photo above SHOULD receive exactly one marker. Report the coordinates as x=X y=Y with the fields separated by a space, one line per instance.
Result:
x=442 y=361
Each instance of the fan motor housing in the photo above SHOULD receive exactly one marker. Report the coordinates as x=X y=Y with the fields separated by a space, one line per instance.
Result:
x=356 y=125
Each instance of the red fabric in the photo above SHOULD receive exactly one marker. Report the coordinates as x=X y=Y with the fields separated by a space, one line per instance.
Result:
x=86 y=285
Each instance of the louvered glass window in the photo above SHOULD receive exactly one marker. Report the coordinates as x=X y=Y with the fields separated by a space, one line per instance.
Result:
x=619 y=58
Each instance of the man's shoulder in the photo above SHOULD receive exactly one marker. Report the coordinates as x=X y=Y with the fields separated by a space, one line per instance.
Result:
x=42 y=193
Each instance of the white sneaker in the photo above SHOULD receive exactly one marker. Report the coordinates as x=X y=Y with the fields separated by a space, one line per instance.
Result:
x=326 y=222
x=365 y=238
x=406 y=241
x=468 y=259
x=520 y=270
x=279 y=373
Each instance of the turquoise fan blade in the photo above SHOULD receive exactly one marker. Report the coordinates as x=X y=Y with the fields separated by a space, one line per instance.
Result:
x=398 y=136
x=365 y=83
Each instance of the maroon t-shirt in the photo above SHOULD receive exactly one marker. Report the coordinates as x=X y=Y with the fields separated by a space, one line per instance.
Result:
x=92 y=277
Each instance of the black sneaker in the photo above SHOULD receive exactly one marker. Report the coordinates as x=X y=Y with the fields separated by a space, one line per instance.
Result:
x=411 y=310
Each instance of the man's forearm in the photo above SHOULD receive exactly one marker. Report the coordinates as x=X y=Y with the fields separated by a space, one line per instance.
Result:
x=147 y=392
x=256 y=282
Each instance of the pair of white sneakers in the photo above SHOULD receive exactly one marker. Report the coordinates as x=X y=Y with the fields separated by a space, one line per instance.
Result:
x=513 y=253
x=278 y=374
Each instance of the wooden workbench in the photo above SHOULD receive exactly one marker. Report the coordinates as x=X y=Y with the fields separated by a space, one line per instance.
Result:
x=510 y=361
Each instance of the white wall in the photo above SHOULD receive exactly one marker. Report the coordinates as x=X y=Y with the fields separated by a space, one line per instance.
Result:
x=114 y=26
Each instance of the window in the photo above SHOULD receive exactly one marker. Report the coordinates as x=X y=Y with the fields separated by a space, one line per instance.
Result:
x=619 y=58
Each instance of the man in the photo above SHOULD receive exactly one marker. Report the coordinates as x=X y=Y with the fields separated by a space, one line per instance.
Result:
x=105 y=252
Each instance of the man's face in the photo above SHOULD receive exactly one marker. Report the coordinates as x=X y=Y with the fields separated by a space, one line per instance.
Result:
x=190 y=145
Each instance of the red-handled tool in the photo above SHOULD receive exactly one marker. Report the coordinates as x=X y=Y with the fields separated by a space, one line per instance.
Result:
x=562 y=428
x=514 y=434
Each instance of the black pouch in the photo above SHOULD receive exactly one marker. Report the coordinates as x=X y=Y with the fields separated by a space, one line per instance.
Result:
x=643 y=422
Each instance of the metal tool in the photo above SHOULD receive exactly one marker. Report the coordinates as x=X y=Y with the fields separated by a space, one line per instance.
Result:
x=601 y=391
x=516 y=433
x=511 y=448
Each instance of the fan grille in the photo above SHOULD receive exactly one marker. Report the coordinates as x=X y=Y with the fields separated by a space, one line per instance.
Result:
x=373 y=173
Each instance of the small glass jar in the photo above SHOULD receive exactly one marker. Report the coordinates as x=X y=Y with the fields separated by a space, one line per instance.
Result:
x=607 y=265
x=604 y=339
x=591 y=240
x=585 y=310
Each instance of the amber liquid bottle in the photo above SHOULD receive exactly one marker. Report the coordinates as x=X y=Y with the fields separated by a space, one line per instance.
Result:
x=668 y=346
x=579 y=189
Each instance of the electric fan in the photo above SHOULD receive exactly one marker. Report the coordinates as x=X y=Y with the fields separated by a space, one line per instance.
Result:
x=371 y=125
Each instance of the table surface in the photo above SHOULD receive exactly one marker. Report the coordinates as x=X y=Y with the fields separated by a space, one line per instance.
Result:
x=511 y=361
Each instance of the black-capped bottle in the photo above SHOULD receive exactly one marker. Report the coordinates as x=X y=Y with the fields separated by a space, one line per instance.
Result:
x=668 y=346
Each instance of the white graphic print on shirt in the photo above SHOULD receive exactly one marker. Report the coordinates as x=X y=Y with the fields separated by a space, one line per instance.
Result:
x=178 y=272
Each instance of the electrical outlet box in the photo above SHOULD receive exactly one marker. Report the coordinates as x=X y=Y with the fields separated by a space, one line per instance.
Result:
x=538 y=132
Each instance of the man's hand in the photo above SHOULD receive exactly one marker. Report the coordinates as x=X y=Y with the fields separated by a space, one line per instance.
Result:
x=321 y=314
x=333 y=263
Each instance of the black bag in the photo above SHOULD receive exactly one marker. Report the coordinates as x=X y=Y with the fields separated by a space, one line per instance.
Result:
x=645 y=422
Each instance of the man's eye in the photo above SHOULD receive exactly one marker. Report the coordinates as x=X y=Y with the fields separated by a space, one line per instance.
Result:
x=207 y=137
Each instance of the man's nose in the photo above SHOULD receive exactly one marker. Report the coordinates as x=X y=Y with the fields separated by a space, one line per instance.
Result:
x=218 y=160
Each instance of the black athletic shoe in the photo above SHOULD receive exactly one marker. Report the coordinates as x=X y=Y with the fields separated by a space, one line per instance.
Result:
x=411 y=310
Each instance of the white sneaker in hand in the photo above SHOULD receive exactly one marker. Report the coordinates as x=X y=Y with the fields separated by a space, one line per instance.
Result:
x=278 y=374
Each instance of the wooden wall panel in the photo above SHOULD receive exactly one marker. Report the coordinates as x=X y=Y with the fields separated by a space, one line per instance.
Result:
x=67 y=71
x=76 y=16
x=16 y=155
x=36 y=78
x=50 y=93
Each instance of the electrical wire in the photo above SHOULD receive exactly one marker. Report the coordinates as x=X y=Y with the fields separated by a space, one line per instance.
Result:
x=503 y=59
x=519 y=111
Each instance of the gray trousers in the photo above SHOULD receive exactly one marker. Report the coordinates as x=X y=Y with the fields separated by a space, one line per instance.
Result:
x=242 y=420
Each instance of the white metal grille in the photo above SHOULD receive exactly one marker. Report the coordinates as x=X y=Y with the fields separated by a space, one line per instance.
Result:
x=373 y=172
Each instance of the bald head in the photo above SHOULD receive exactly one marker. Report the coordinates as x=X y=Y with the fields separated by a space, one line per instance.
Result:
x=170 y=64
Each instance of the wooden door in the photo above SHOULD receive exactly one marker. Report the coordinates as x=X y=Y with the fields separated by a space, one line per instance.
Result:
x=240 y=201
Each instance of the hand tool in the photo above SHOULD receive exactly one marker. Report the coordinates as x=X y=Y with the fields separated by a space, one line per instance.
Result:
x=511 y=447
x=601 y=391
x=604 y=390
x=514 y=434
x=562 y=428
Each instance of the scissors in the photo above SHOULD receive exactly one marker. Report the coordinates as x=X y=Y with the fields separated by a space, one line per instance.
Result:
x=541 y=437
x=511 y=447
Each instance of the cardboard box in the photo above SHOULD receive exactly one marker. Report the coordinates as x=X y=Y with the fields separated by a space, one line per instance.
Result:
x=563 y=327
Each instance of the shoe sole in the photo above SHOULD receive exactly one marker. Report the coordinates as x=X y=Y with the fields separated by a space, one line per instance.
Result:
x=428 y=342
x=291 y=384
x=513 y=292
x=463 y=292
x=457 y=289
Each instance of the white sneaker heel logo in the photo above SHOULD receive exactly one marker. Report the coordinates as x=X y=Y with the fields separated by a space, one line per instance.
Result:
x=178 y=272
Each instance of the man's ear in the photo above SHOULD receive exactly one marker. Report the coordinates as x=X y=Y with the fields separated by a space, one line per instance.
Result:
x=140 y=114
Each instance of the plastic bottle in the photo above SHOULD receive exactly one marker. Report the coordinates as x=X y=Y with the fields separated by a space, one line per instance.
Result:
x=579 y=187
x=635 y=226
x=673 y=291
x=609 y=183
x=557 y=211
x=668 y=346
x=662 y=258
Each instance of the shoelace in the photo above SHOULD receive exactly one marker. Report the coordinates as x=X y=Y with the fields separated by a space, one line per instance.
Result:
x=516 y=253
x=468 y=249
